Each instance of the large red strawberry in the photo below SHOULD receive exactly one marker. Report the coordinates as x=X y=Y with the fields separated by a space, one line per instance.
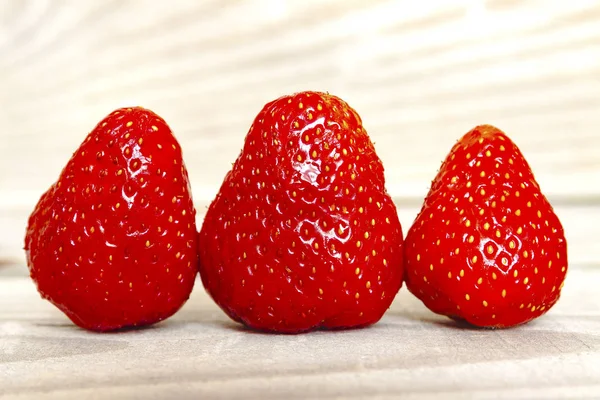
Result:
x=487 y=246
x=302 y=233
x=113 y=242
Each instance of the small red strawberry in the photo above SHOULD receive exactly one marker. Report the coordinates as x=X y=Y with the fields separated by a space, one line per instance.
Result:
x=487 y=246
x=113 y=242
x=302 y=233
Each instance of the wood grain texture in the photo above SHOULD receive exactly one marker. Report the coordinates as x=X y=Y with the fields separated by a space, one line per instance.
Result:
x=420 y=75
x=199 y=353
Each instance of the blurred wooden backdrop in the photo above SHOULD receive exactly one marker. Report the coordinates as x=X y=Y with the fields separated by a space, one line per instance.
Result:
x=420 y=73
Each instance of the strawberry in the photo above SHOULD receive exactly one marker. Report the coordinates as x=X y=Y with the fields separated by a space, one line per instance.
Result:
x=486 y=247
x=112 y=243
x=302 y=234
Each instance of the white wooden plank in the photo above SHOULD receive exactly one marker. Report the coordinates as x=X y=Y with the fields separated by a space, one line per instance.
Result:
x=420 y=74
x=200 y=353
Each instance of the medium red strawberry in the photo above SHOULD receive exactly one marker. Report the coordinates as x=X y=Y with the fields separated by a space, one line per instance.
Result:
x=113 y=242
x=302 y=233
x=487 y=246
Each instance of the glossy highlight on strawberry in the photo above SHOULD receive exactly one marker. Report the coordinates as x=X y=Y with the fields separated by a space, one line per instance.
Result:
x=302 y=234
x=486 y=246
x=112 y=243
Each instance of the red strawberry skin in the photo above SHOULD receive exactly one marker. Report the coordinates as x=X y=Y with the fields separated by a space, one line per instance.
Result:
x=302 y=234
x=113 y=242
x=487 y=247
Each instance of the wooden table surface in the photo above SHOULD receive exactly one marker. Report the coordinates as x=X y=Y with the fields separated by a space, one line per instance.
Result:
x=199 y=353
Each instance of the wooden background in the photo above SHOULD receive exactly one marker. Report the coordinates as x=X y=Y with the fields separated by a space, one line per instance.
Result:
x=420 y=74
x=200 y=354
